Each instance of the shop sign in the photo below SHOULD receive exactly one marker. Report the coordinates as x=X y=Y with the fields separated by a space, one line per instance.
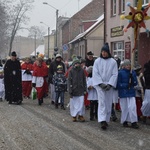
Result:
x=127 y=50
x=117 y=31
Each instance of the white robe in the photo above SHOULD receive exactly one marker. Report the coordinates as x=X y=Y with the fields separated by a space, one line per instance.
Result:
x=105 y=71
x=128 y=109
x=146 y=103
x=92 y=93
x=77 y=106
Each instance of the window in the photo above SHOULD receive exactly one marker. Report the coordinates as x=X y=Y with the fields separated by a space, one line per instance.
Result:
x=122 y=6
x=118 y=50
x=144 y=2
x=113 y=8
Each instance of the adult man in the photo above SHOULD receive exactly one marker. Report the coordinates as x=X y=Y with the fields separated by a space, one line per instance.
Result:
x=89 y=59
x=52 y=71
x=12 y=80
x=105 y=72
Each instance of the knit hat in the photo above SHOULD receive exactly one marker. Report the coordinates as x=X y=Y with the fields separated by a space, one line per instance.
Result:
x=126 y=62
x=77 y=61
x=105 y=48
x=13 y=54
x=59 y=68
x=137 y=68
x=90 y=53
x=58 y=56
x=41 y=55
x=89 y=69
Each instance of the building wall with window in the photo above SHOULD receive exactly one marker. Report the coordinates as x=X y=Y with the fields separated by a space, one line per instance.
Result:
x=121 y=43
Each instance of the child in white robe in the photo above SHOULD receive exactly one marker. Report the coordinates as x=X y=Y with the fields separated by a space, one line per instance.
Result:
x=92 y=95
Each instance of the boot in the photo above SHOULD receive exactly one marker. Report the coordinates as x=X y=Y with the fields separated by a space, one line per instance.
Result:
x=39 y=101
x=125 y=124
x=81 y=118
x=74 y=119
x=56 y=105
x=104 y=125
x=134 y=125
x=62 y=107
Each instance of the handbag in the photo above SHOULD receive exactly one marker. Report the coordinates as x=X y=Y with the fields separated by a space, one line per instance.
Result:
x=33 y=93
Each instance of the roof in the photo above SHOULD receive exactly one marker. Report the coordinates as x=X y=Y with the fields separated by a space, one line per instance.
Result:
x=99 y=20
x=40 y=49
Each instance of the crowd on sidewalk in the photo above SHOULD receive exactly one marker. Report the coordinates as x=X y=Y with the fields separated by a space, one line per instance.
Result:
x=102 y=86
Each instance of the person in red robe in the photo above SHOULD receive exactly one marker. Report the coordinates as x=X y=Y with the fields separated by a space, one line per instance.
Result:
x=27 y=70
x=40 y=71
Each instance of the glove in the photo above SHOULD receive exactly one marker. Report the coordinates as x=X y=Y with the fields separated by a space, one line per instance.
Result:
x=103 y=86
x=33 y=85
x=27 y=72
x=85 y=92
x=108 y=87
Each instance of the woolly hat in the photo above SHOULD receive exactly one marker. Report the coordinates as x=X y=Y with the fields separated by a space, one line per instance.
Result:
x=41 y=55
x=13 y=54
x=105 y=48
x=90 y=53
x=58 y=56
x=59 y=68
x=137 y=68
x=126 y=62
x=77 y=61
x=89 y=69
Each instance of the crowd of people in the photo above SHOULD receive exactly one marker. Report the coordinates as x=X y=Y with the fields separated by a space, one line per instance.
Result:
x=99 y=85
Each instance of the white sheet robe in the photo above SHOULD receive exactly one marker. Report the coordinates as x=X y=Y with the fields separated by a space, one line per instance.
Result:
x=146 y=104
x=26 y=77
x=77 y=106
x=128 y=109
x=105 y=71
x=2 y=89
x=92 y=93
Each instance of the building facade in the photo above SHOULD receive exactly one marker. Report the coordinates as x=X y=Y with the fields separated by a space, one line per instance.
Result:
x=73 y=26
x=121 y=42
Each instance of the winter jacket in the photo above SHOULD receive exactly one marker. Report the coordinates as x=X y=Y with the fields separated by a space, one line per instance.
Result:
x=77 y=82
x=125 y=89
x=53 y=69
x=60 y=83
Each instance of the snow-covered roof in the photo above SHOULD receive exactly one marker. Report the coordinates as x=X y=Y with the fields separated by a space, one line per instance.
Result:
x=99 y=20
x=40 y=50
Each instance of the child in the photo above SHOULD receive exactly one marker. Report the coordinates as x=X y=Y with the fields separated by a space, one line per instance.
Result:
x=126 y=82
x=27 y=70
x=60 y=84
x=139 y=90
x=92 y=95
x=77 y=90
x=2 y=89
x=39 y=72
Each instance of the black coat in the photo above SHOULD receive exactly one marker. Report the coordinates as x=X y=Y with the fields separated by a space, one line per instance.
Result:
x=77 y=82
x=147 y=75
x=13 y=81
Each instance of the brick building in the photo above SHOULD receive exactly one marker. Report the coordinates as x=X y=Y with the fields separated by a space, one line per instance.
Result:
x=73 y=26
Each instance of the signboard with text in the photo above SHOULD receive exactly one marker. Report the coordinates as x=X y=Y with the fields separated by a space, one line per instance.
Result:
x=127 y=50
x=117 y=31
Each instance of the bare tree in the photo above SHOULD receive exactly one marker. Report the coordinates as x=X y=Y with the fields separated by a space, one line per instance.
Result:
x=3 y=28
x=39 y=32
x=17 y=11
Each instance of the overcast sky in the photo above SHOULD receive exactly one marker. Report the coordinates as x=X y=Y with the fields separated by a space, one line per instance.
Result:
x=46 y=14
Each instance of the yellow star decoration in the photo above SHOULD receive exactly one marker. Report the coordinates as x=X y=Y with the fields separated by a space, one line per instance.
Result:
x=136 y=18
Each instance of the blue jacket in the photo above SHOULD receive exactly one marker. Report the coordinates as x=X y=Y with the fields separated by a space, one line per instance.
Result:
x=124 y=88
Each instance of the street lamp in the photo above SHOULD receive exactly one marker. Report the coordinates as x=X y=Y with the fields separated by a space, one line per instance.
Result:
x=56 y=21
x=48 y=38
